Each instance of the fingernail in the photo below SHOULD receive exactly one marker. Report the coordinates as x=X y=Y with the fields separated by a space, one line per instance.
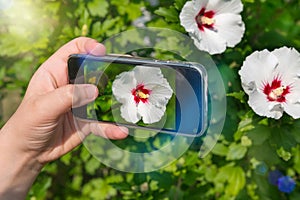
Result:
x=124 y=129
x=91 y=91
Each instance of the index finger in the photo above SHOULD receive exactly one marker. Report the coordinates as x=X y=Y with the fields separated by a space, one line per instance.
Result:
x=56 y=65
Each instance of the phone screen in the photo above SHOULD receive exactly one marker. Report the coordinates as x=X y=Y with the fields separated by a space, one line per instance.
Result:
x=141 y=94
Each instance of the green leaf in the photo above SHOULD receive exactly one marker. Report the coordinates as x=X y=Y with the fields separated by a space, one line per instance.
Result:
x=170 y=14
x=121 y=186
x=236 y=181
x=296 y=156
x=179 y=4
x=39 y=189
x=236 y=152
x=98 y=7
x=175 y=193
x=224 y=173
x=165 y=179
x=245 y=124
x=190 y=178
x=211 y=173
x=220 y=149
x=133 y=10
x=285 y=155
x=259 y=134
x=84 y=154
x=117 y=178
x=234 y=176
x=295 y=130
x=282 y=137
x=238 y=95
x=268 y=156
x=77 y=182
x=295 y=195
x=110 y=25
x=139 y=178
x=98 y=189
x=96 y=29
x=66 y=158
x=153 y=185
x=92 y=165
x=246 y=141
x=230 y=78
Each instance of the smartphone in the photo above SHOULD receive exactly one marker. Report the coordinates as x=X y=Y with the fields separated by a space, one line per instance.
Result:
x=155 y=95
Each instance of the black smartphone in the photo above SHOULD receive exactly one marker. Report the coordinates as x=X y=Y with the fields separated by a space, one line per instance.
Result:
x=156 y=95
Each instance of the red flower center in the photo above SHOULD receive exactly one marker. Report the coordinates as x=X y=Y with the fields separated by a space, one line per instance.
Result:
x=205 y=19
x=140 y=94
x=276 y=91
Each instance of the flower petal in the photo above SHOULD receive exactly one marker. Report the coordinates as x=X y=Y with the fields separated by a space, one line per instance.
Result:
x=293 y=109
x=122 y=86
x=225 y=6
x=187 y=16
x=289 y=62
x=199 y=4
x=150 y=112
x=161 y=94
x=230 y=27
x=258 y=102
x=209 y=40
x=147 y=75
x=129 y=111
x=292 y=104
x=260 y=61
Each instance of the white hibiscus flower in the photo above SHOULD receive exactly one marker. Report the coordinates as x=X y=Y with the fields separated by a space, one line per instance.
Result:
x=144 y=94
x=272 y=81
x=213 y=24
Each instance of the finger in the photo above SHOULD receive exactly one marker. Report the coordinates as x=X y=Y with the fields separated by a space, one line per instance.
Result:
x=80 y=45
x=61 y=100
x=56 y=65
x=100 y=129
x=108 y=130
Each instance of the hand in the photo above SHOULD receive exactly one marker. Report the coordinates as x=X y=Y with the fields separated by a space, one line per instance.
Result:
x=43 y=129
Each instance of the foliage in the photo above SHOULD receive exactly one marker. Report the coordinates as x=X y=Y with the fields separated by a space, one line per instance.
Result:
x=249 y=147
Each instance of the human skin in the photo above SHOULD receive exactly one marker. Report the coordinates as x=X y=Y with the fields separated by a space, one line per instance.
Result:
x=43 y=127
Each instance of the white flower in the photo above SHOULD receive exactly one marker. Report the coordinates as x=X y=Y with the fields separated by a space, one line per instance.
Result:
x=213 y=24
x=144 y=94
x=272 y=81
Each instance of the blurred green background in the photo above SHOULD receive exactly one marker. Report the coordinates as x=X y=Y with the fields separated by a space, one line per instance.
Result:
x=249 y=147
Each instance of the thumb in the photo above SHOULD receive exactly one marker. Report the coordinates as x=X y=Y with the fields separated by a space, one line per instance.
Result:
x=62 y=99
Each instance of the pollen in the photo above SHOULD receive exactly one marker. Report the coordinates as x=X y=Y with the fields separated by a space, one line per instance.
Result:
x=141 y=95
x=277 y=93
x=207 y=21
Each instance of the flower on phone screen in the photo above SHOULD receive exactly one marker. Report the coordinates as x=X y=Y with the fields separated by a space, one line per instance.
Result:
x=143 y=93
x=272 y=81
x=213 y=24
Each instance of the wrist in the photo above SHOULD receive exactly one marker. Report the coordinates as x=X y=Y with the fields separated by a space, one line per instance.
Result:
x=18 y=169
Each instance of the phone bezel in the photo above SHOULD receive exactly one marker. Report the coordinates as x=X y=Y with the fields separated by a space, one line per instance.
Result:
x=74 y=66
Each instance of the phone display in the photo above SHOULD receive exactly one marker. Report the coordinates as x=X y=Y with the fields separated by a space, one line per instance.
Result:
x=163 y=96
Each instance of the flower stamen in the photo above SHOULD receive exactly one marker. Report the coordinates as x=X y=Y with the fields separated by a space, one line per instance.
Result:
x=276 y=91
x=205 y=20
x=140 y=94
